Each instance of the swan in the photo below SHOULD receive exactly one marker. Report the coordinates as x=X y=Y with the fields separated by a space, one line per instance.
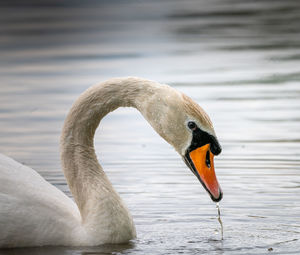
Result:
x=35 y=213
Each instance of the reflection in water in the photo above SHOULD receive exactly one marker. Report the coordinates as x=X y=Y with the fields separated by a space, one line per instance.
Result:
x=238 y=59
x=100 y=250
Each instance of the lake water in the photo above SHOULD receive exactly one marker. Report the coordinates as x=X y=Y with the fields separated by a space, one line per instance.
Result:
x=240 y=60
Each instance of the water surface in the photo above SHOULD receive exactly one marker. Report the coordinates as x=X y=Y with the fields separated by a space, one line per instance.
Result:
x=239 y=60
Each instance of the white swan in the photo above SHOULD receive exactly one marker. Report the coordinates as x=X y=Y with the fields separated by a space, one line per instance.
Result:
x=33 y=212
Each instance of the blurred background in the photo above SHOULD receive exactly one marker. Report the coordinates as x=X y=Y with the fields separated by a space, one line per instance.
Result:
x=240 y=60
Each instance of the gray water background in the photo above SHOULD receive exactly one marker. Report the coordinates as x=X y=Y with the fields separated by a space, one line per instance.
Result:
x=240 y=60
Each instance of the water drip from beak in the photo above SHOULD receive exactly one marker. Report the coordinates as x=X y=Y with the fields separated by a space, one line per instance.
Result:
x=219 y=220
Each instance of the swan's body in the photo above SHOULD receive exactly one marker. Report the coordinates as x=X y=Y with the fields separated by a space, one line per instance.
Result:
x=33 y=212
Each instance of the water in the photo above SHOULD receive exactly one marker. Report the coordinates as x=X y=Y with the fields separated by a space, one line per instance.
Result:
x=240 y=60
x=220 y=221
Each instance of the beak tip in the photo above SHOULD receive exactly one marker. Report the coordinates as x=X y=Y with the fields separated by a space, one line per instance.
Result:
x=217 y=199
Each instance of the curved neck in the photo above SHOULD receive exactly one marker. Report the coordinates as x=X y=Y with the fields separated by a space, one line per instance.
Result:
x=88 y=183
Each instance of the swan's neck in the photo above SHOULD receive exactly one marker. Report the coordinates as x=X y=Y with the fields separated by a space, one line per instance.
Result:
x=99 y=204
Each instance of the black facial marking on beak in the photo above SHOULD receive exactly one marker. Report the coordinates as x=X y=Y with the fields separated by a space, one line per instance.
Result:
x=215 y=147
x=201 y=138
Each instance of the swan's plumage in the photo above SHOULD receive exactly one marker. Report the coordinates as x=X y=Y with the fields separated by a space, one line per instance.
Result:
x=33 y=212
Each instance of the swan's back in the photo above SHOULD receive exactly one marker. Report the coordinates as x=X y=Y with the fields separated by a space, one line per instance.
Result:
x=33 y=212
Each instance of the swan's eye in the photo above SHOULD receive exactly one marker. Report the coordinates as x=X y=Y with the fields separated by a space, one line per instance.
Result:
x=192 y=125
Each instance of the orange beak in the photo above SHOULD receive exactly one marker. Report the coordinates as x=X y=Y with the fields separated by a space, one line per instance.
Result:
x=202 y=164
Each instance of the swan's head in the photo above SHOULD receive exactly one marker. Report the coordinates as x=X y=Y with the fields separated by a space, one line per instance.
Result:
x=201 y=147
x=186 y=126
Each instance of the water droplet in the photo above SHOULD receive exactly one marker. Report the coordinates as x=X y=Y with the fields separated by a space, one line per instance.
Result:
x=219 y=220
